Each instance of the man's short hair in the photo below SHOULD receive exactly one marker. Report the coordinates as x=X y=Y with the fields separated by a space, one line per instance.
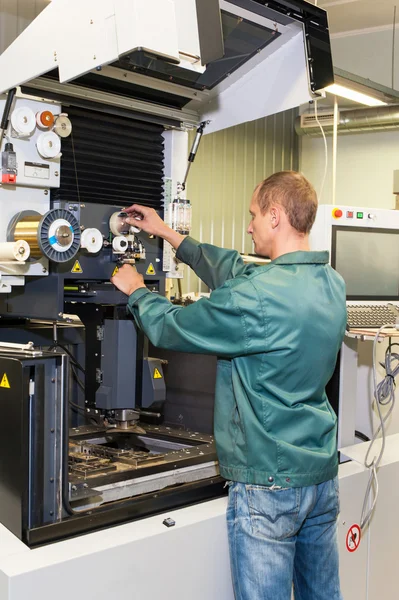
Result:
x=294 y=193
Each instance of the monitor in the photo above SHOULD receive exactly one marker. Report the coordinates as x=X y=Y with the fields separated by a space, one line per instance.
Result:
x=368 y=260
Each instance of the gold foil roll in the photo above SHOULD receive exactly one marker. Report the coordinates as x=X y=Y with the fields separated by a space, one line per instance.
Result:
x=26 y=229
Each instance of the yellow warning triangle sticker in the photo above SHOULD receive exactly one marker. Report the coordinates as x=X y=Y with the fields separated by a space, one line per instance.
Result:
x=114 y=272
x=157 y=374
x=4 y=382
x=150 y=270
x=76 y=267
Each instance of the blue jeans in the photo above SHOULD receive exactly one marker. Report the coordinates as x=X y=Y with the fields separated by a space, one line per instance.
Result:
x=279 y=537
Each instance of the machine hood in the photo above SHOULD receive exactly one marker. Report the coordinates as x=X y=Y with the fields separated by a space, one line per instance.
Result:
x=183 y=60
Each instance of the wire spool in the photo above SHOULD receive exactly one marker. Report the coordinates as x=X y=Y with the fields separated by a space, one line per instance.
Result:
x=55 y=235
x=23 y=121
x=63 y=126
x=45 y=119
x=11 y=251
x=26 y=229
x=119 y=243
x=92 y=240
x=48 y=144
x=119 y=226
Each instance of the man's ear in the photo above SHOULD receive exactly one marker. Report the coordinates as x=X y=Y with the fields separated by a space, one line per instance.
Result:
x=275 y=216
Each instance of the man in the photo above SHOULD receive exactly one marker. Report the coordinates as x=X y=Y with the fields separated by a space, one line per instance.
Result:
x=277 y=330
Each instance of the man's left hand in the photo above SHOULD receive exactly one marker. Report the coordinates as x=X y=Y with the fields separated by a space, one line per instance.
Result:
x=127 y=280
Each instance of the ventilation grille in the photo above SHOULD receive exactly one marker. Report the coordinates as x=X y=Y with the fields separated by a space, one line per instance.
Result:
x=111 y=160
x=309 y=119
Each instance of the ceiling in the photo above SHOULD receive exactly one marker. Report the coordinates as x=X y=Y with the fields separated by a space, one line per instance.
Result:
x=357 y=15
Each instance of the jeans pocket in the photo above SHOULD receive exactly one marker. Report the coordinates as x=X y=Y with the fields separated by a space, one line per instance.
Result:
x=273 y=512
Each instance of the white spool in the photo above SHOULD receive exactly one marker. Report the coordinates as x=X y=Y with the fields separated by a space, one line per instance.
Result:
x=91 y=240
x=19 y=251
x=23 y=121
x=119 y=226
x=119 y=244
x=63 y=126
x=48 y=144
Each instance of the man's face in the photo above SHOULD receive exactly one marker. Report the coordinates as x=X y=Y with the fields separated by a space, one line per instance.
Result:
x=260 y=228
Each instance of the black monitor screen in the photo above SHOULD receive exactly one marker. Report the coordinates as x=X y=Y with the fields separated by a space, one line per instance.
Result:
x=368 y=260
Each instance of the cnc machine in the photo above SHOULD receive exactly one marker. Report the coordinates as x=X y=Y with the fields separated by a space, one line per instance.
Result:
x=99 y=121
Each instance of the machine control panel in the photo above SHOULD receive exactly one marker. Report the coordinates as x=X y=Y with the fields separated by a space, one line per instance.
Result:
x=354 y=216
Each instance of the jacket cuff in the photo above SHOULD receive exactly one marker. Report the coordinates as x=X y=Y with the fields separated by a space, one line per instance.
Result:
x=187 y=250
x=135 y=297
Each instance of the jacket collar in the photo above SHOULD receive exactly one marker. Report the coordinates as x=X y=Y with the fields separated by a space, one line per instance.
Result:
x=302 y=257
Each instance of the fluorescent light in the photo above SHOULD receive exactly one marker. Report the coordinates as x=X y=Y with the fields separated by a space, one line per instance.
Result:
x=345 y=92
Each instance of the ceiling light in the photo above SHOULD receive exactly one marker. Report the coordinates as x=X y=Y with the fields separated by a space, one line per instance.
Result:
x=344 y=92
x=359 y=89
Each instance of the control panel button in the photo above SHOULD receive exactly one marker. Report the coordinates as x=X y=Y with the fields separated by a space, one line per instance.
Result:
x=337 y=213
x=359 y=215
x=349 y=214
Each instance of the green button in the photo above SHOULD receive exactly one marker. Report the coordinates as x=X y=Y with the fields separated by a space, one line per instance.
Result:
x=359 y=215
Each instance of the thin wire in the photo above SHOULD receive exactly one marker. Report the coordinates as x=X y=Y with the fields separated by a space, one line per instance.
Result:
x=325 y=151
x=393 y=47
x=76 y=170
x=384 y=394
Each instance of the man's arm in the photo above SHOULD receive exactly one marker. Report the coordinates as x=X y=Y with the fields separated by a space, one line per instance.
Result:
x=216 y=325
x=212 y=264
x=210 y=326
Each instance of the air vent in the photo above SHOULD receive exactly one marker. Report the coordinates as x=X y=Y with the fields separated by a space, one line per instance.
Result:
x=325 y=118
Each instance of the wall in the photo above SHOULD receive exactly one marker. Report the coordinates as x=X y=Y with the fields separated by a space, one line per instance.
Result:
x=15 y=16
x=228 y=166
x=368 y=55
x=365 y=166
x=366 y=161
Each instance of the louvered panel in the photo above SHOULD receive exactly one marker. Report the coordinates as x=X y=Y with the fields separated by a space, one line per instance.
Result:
x=110 y=159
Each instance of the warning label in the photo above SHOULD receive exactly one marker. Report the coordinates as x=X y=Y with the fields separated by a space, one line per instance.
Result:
x=157 y=374
x=150 y=270
x=4 y=382
x=353 y=538
x=76 y=267
x=115 y=271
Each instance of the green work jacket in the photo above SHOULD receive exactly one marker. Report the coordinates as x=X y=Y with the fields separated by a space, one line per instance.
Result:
x=276 y=330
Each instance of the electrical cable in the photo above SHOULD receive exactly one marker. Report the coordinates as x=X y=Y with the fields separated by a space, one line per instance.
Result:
x=325 y=151
x=71 y=356
x=6 y=113
x=393 y=47
x=384 y=394
x=74 y=364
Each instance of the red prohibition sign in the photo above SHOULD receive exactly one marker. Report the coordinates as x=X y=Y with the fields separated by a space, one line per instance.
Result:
x=353 y=538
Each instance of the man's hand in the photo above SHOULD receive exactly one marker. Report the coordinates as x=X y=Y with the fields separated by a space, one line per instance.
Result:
x=150 y=222
x=147 y=219
x=127 y=280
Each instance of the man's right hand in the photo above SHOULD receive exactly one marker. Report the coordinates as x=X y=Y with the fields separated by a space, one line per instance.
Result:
x=146 y=219
x=149 y=221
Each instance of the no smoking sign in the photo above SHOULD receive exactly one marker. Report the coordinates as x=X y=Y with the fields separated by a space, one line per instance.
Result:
x=353 y=538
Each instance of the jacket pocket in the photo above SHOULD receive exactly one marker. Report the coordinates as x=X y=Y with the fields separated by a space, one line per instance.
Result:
x=273 y=512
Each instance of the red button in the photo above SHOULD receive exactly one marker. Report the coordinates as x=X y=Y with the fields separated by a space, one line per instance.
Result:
x=337 y=213
x=8 y=178
x=349 y=214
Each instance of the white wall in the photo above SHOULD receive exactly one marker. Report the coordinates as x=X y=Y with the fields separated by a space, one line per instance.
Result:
x=365 y=166
x=368 y=55
x=15 y=16
x=365 y=161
